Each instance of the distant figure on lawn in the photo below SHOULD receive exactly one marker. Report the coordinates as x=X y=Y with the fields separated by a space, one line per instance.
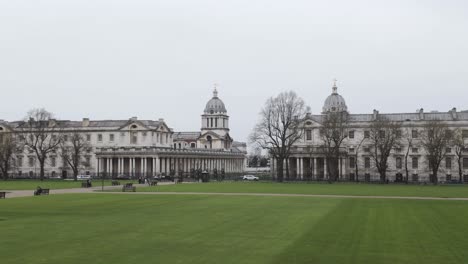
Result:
x=88 y=183
x=38 y=190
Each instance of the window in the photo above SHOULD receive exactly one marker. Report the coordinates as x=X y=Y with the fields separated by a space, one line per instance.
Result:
x=192 y=145
x=366 y=149
x=88 y=137
x=465 y=133
x=65 y=138
x=366 y=134
x=351 y=150
x=53 y=162
x=414 y=150
x=448 y=163
x=111 y=137
x=414 y=161
x=99 y=137
x=352 y=162
x=398 y=133
x=382 y=133
x=367 y=162
x=414 y=134
x=19 y=161
x=351 y=134
x=31 y=162
x=216 y=122
x=144 y=134
x=465 y=163
x=448 y=150
x=308 y=134
x=398 y=162
x=134 y=138
x=398 y=149
x=88 y=161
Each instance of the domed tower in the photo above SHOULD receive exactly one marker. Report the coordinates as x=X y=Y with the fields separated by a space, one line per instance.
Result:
x=215 y=118
x=334 y=103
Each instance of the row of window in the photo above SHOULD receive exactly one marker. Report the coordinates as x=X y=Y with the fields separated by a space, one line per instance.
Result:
x=399 y=162
x=351 y=134
x=52 y=161
x=397 y=149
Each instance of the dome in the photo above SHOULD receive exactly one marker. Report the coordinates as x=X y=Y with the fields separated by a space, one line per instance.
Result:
x=215 y=105
x=335 y=102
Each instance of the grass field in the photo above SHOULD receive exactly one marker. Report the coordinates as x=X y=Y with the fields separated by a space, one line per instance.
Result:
x=108 y=228
x=48 y=184
x=318 y=188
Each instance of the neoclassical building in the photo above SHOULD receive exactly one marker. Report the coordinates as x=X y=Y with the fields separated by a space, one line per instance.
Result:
x=307 y=160
x=142 y=148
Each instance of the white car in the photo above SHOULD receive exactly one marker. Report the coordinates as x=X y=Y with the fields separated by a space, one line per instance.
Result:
x=249 y=178
x=83 y=177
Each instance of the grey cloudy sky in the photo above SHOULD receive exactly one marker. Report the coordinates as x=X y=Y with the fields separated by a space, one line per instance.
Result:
x=114 y=59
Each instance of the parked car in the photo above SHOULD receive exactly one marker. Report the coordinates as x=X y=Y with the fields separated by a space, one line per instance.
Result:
x=249 y=178
x=83 y=177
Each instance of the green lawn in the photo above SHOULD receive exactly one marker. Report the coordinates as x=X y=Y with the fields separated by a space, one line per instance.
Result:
x=108 y=228
x=318 y=188
x=49 y=184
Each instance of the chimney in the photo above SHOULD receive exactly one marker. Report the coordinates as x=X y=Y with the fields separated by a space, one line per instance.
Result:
x=421 y=114
x=85 y=122
x=376 y=114
x=161 y=120
x=453 y=112
x=134 y=118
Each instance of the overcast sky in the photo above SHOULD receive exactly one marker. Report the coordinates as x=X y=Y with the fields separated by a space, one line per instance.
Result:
x=114 y=59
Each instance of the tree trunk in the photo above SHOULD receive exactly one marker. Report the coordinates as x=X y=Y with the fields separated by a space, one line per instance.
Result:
x=460 y=171
x=287 y=169
x=279 y=169
x=75 y=175
x=41 y=164
x=434 y=176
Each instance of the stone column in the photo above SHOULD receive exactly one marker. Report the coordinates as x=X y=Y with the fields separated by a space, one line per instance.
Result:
x=315 y=168
x=158 y=168
x=325 y=168
x=339 y=168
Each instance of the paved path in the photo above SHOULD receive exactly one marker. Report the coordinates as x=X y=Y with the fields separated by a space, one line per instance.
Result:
x=26 y=193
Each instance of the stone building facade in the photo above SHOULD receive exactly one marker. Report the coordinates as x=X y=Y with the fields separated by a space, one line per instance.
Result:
x=141 y=148
x=307 y=159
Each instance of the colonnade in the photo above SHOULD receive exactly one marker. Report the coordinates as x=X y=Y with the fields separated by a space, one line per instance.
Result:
x=309 y=167
x=150 y=166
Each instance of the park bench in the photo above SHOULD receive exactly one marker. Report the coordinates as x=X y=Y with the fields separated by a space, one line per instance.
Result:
x=2 y=195
x=85 y=185
x=115 y=183
x=153 y=183
x=43 y=192
x=128 y=187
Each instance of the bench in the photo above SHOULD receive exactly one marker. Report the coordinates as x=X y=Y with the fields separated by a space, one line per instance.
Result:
x=153 y=183
x=43 y=192
x=115 y=183
x=128 y=187
x=2 y=195
x=85 y=185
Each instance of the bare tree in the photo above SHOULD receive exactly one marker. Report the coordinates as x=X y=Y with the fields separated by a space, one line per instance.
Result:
x=460 y=147
x=72 y=151
x=279 y=127
x=384 y=136
x=435 y=139
x=334 y=131
x=8 y=148
x=40 y=133
x=356 y=158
